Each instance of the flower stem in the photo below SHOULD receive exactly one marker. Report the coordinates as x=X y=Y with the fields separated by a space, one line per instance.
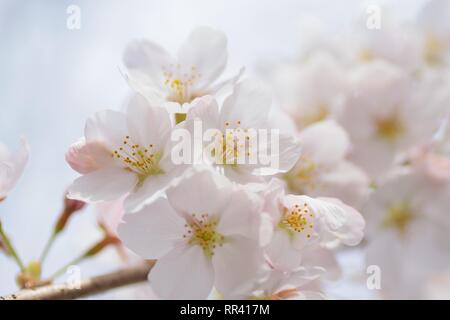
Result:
x=10 y=248
x=47 y=247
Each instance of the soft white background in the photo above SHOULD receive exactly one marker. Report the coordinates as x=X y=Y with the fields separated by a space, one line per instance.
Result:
x=52 y=79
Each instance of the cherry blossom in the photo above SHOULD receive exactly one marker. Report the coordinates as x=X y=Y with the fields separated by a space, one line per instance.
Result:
x=199 y=62
x=300 y=221
x=204 y=235
x=243 y=114
x=124 y=154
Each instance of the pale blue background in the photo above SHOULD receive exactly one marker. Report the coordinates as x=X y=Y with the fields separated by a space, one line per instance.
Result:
x=52 y=79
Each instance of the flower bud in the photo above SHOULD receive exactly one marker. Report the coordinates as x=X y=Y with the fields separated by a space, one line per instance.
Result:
x=70 y=206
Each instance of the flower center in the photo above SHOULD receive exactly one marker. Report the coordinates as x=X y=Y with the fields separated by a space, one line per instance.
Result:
x=141 y=159
x=297 y=220
x=398 y=216
x=201 y=231
x=389 y=128
x=303 y=176
x=319 y=113
x=433 y=49
x=179 y=82
x=234 y=146
x=366 y=55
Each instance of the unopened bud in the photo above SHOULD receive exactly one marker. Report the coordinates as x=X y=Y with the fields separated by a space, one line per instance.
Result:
x=70 y=207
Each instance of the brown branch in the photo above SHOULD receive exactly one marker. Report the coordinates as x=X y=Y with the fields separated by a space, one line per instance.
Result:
x=87 y=287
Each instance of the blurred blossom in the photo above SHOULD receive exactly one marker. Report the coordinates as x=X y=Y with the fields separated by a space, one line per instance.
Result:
x=322 y=169
x=408 y=228
x=312 y=90
x=294 y=285
x=388 y=113
x=12 y=165
x=433 y=23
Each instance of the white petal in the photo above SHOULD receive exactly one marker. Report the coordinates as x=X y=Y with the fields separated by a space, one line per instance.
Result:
x=288 y=153
x=206 y=50
x=282 y=254
x=103 y=185
x=153 y=231
x=145 y=193
x=249 y=104
x=200 y=192
x=109 y=127
x=237 y=264
x=206 y=110
x=148 y=124
x=184 y=273
x=326 y=143
x=145 y=61
x=242 y=215
x=338 y=223
x=346 y=182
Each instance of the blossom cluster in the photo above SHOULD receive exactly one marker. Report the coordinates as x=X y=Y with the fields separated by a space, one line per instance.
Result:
x=226 y=229
x=372 y=109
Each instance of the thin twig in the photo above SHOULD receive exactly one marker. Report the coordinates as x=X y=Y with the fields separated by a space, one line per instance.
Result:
x=86 y=287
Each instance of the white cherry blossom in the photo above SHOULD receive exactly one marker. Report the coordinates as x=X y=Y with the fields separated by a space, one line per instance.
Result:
x=124 y=154
x=300 y=221
x=204 y=235
x=175 y=81
x=236 y=126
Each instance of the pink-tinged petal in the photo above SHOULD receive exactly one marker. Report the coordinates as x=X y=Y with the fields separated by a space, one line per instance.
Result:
x=108 y=127
x=205 y=49
x=200 y=192
x=87 y=157
x=153 y=231
x=103 y=185
x=184 y=273
x=149 y=125
x=333 y=145
x=247 y=107
x=145 y=61
x=237 y=264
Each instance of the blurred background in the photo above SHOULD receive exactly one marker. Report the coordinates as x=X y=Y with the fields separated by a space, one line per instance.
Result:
x=53 y=78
